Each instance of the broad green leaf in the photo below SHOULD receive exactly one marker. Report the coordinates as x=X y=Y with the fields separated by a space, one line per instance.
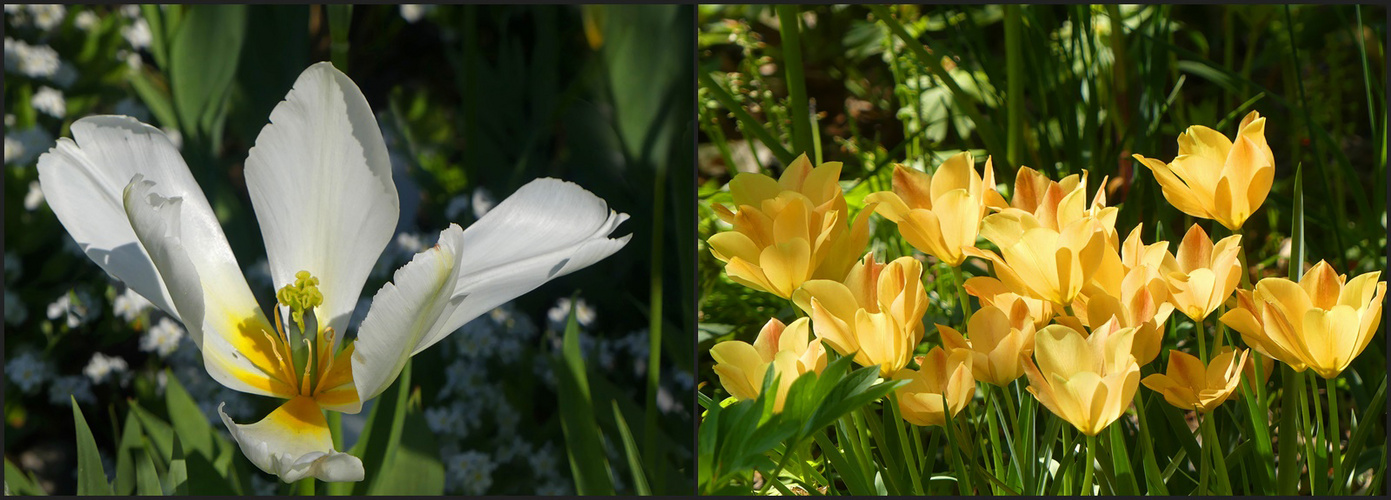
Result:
x=146 y=478
x=160 y=434
x=589 y=464
x=203 y=57
x=176 y=480
x=192 y=427
x=91 y=478
x=415 y=468
x=130 y=445
x=382 y=433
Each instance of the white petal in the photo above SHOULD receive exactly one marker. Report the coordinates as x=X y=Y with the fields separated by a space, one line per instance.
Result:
x=293 y=442
x=207 y=290
x=402 y=313
x=547 y=229
x=320 y=180
x=83 y=179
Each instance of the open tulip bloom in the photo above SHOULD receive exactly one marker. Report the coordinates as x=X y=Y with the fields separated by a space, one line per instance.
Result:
x=320 y=183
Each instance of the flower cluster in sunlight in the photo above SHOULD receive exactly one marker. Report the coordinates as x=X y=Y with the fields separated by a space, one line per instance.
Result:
x=1069 y=312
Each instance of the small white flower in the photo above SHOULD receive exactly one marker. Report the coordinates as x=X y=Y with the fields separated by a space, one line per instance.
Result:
x=102 y=366
x=28 y=370
x=414 y=12
x=9 y=120
x=34 y=197
x=471 y=472
x=513 y=447
x=74 y=307
x=138 y=34
x=47 y=16
x=409 y=243
x=559 y=314
x=132 y=59
x=86 y=20
x=162 y=338
x=23 y=146
x=74 y=386
x=175 y=138
x=544 y=462
x=15 y=311
x=444 y=421
x=482 y=201
x=31 y=60
x=130 y=11
x=49 y=101
x=129 y=305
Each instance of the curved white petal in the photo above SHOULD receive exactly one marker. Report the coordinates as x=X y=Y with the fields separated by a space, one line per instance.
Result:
x=293 y=442
x=402 y=313
x=320 y=180
x=547 y=229
x=212 y=298
x=83 y=179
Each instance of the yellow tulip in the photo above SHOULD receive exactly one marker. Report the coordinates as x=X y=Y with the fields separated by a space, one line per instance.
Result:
x=942 y=382
x=992 y=292
x=1189 y=385
x=788 y=349
x=1057 y=203
x=1322 y=323
x=1248 y=373
x=1204 y=274
x=999 y=346
x=1129 y=288
x=874 y=315
x=940 y=214
x=1046 y=264
x=1086 y=380
x=789 y=230
x=1215 y=178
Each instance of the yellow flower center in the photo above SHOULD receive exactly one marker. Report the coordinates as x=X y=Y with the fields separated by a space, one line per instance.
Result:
x=303 y=349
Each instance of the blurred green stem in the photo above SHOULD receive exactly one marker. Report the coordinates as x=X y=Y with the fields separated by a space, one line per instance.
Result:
x=962 y=296
x=1213 y=445
x=799 y=113
x=1014 y=66
x=335 y=429
x=654 y=328
x=1087 y=467
x=1334 y=438
x=340 y=18
x=305 y=487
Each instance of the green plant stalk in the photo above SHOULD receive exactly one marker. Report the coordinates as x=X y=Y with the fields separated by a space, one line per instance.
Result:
x=1339 y=211
x=1204 y=461
x=914 y=467
x=1256 y=417
x=962 y=476
x=1311 y=459
x=1153 y=477
x=339 y=19
x=1119 y=460
x=799 y=113
x=654 y=326
x=1201 y=332
x=1014 y=68
x=1320 y=438
x=335 y=429
x=305 y=487
x=996 y=457
x=1087 y=467
x=1211 y=444
x=1334 y=438
x=1287 y=475
x=961 y=294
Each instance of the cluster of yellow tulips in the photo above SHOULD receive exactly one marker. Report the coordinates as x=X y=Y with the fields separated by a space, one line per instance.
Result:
x=1070 y=305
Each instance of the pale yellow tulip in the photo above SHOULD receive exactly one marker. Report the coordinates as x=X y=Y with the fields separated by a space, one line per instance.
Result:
x=1057 y=203
x=1130 y=288
x=999 y=344
x=940 y=214
x=1189 y=385
x=1215 y=178
x=1045 y=263
x=875 y=315
x=788 y=349
x=1204 y=274
x=789 y=230
x=941 y=383
x=1086 y=380
x=992 y=292
x=1322 y=323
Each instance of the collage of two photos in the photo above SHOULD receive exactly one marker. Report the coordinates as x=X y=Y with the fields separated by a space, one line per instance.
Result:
x=695 y=250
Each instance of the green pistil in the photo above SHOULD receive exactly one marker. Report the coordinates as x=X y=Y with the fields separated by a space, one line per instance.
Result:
x=302 y=297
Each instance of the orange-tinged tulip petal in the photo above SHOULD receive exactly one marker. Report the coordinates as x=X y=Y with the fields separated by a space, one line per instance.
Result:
x=1214 y=177
x=1190 y=385
x=941 y=378
x=939 y=214
x=788 y=350
x=998 y=346
x=1086 y=380
x=875 y=315
x=1206 y=274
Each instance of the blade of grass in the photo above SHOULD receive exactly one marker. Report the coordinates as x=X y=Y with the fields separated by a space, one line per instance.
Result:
x=1334 y=437
x=588 y=462
x=1363 y=428
x=630 y=449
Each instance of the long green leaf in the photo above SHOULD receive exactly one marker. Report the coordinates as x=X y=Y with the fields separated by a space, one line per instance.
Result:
x=203 y=58
x=146 y=478
x=630 y=449
x=415 y=468
x=21 y=483
x=382 y=432
x=91 y=478
x=588 y=461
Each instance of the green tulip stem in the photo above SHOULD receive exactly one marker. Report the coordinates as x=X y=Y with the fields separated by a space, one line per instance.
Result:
x=1088 y=466
x=305 y=487
x=1334 y=438
x=962 y=296
x=1202 y=340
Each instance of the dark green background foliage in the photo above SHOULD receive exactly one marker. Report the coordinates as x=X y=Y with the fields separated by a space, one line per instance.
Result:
x=469 y=98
